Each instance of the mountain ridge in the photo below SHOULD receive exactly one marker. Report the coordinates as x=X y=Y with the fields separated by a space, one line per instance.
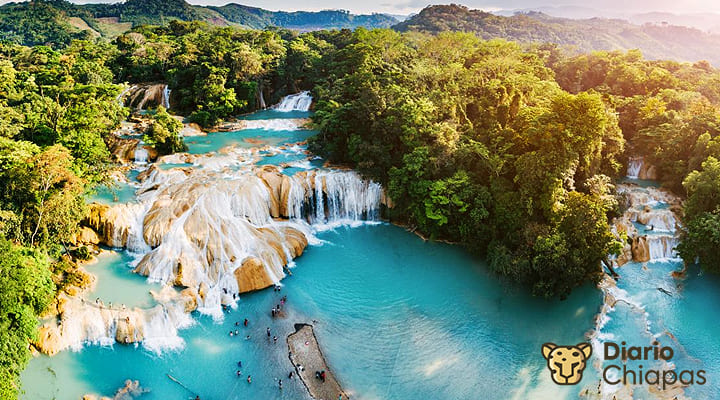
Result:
x=655 y=41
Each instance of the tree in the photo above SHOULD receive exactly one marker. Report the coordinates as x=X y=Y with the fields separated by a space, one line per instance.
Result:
x=164 y=133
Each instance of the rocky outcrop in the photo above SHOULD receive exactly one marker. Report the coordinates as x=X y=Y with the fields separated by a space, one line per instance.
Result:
x=141 y=97
x=123 y=150
x=192 y=129
x=129 y=329
x=640 y=249
x=87 y=236
x=252 y=275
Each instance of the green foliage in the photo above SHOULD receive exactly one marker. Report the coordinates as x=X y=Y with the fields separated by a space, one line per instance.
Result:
x=477 y=144
x=26 y=289
x=164 y=133
x=701 y=236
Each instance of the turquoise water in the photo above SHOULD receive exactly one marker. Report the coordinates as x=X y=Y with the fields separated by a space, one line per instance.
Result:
x=215 y=141
x=397 y=318
x=117 y=284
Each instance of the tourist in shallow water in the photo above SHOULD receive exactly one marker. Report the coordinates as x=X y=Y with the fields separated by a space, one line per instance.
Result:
x=237 y=332
x=238 y=373
x=290 y=375
x=268 y=331
x=249 y=379
x=247 y=337
x=275 y=339
x=280 y=384
x=240 y=364
x=245 y=323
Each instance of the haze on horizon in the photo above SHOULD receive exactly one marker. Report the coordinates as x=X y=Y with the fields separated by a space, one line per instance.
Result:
x=404 y=7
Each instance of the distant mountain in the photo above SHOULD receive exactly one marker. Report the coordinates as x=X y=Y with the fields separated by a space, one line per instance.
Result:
x=708 y=22
x=574 y=12
x=656 y=41
x=59 y=21
x=301 y=20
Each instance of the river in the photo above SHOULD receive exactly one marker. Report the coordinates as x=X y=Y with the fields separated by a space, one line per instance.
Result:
x=397 y=317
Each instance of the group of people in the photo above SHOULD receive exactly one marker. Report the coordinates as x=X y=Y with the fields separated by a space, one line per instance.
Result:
x=276 y=310
x=320 y=375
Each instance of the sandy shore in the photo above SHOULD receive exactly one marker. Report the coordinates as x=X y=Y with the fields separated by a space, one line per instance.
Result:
x=305 y=353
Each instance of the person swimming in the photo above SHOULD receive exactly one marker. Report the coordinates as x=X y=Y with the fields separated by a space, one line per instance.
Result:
x=245 y=322
x=249 y=379
x=240 y=364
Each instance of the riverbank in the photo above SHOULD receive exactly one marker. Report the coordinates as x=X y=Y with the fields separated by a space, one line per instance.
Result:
x=307 y=358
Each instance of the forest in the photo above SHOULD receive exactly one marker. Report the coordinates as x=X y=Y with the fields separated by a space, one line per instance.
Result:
x=509 y=150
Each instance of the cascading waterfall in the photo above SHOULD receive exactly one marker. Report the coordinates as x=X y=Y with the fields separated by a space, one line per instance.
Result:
x=208 y=229
x=635 y=165
x=223 y=229
x=166 y=97
x=121 y=97
x=295 y=102
x=334 y=197
x=651 y=224
x=141 y=154
x=83 y=322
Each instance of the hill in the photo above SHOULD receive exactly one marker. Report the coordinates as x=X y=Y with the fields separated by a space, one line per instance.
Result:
x=663 y=41
x=59 y=21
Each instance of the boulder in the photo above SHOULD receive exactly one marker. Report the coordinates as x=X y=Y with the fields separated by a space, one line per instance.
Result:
x=273 y=179
x=129 y=328
x=252 y=275
x=87 y=236
x=640 y=249
x=49 y=340
x=192 y=129
x=189 y=298
x=296 y=240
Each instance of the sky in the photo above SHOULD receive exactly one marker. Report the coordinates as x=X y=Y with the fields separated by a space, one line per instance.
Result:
x=405 y=7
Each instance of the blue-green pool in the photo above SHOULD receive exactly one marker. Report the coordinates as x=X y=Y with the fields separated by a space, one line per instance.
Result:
x=397 y=317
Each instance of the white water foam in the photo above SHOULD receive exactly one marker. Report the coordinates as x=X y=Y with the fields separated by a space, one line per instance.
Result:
x=295 y=102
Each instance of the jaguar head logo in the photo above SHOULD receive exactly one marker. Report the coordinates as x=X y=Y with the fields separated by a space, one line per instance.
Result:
x=566 y=363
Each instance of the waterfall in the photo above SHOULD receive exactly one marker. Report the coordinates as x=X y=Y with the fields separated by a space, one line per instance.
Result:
x=83 y=322
x=121 y=97
x=262 y=99
x=166 y=97
x=635 y=165
x=295 y=102
x=662 y=247
x=335 y=197
x=141 y=154
x=226 y=232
